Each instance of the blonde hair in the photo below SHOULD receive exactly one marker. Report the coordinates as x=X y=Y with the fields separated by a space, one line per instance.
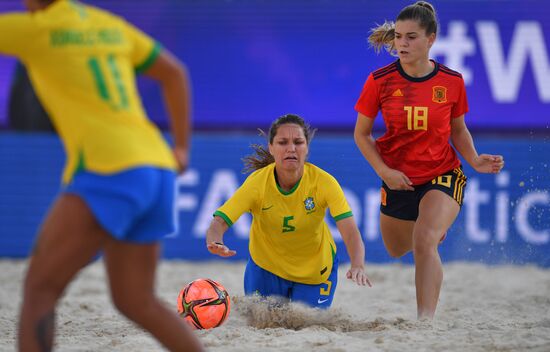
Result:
x=422 y=12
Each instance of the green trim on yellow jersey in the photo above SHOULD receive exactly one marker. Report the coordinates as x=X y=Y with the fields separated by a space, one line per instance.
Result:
x=343 y=216
x=81 y=165
x=224 y=217
x=288 y=234
x=283 y=192
x=150 y=59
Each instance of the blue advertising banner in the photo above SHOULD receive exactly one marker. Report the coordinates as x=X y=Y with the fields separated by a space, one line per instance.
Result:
x=505 y=217
x=251 y=61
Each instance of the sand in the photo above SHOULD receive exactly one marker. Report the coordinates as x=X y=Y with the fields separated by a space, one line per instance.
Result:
x=482 y=308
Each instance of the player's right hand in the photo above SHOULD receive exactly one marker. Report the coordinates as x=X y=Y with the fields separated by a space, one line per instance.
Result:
x=358 y=275
x=397 y=181
x=220 y=249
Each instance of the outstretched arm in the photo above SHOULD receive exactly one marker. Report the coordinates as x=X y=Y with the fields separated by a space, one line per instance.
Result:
x=176 y=89
x=356 y=250
x=214 y=238
x=395 y=179
x=464 y=144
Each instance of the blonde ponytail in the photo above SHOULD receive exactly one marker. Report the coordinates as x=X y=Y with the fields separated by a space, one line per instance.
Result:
x=383 y=36
x=422 y=12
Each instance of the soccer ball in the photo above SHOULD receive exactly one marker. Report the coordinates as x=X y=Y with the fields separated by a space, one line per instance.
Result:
x=204 y=304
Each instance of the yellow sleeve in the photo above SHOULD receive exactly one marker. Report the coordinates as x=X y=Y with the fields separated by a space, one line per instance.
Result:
x=242 y=201
x=18 y=32
x=336 y=200
x=145 y=49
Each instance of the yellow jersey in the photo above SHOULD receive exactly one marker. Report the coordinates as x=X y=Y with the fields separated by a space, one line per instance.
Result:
x=82 y=62
x=289 y=236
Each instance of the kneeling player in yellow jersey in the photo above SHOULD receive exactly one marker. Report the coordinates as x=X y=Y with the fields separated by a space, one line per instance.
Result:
x=118 y=193
x=292 y=253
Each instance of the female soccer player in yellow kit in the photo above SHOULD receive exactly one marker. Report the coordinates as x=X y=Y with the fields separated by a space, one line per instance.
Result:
x=118 y=182
x=292 y=253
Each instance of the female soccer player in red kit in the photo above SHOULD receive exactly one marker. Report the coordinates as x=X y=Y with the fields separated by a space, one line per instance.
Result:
x=423 y=104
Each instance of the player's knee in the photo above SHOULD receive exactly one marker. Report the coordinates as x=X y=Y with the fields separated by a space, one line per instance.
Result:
x=396 y=249
x=42 y=287
x=133 y=306
x=123 y=302
x=397 y=252
x=425 y=241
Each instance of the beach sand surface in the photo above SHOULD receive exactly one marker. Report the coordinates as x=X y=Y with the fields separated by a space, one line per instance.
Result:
x=482 y=308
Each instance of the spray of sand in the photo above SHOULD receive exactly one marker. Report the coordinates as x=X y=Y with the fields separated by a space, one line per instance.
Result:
x=271 y=312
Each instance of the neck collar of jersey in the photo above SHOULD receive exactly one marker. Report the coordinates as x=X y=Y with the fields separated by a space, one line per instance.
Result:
x=283 y=192
x=417 y=79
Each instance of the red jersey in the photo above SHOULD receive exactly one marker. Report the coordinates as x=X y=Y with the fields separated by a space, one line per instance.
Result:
x=417 y=112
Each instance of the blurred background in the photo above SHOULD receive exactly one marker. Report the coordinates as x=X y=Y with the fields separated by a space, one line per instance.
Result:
x=252 y=61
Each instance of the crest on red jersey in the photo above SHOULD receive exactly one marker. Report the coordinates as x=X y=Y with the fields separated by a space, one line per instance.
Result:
x=439 y=94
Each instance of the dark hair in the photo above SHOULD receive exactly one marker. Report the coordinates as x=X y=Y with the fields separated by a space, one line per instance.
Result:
x=261 y=156
x=421 y=11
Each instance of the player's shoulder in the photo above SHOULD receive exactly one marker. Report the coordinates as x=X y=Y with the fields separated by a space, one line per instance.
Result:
x=72 y=13
x=315 y=172
x=384 y=71
x=261 y=174
x=314 y=169
x=448 y=71
x=105 y=15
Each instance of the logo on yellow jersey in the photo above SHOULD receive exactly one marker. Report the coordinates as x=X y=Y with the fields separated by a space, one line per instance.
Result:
x=309 y=204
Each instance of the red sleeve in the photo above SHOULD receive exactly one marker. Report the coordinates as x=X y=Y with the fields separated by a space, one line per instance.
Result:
x=461 y=105
x=368 y=103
